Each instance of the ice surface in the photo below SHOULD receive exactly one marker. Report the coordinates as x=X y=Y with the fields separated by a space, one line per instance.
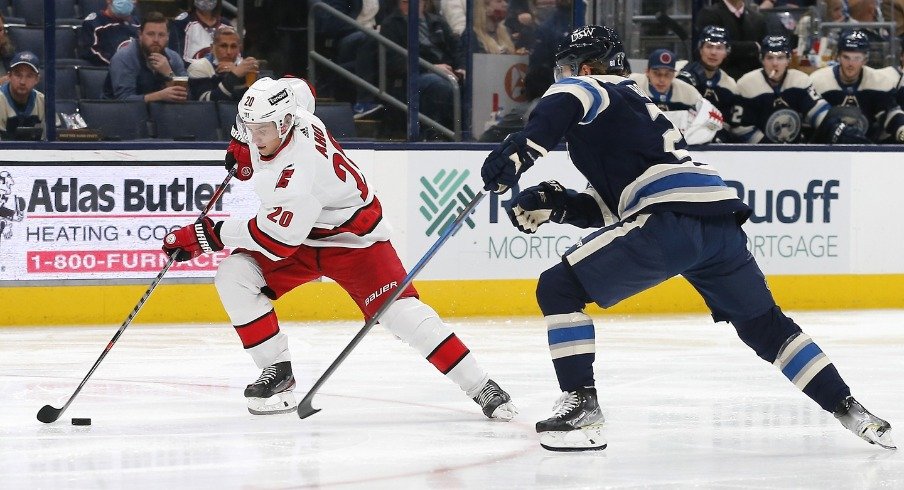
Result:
x=686 y=403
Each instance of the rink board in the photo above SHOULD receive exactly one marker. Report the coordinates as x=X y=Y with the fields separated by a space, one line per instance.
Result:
x=824 y=230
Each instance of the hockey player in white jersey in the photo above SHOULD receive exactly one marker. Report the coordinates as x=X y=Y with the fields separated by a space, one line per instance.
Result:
x=318 y=217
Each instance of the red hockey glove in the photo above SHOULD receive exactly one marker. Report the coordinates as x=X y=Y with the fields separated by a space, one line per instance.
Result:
x=238 y=154
x=193 y=240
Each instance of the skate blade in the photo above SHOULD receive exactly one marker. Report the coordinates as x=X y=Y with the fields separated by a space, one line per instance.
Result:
x=505 y=412
x=279 y=403
x=588 y=438
x=883 y=439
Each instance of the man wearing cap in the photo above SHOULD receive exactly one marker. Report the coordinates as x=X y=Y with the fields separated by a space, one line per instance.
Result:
x=21 y=105
x=678 y=99
x=776 y=104
x=866 y=95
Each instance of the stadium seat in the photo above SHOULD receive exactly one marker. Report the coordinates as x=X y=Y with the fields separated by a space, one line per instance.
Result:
x=185 y=121
x=226 y=112
x=66 y=106
x=32 y=39
x=33 y=10
x=66 y=81
x=116 y=119
x=338 y=118
x=91 y=81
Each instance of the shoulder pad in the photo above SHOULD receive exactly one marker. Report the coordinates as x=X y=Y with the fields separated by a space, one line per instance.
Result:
x=182 y=16
x=91 y=16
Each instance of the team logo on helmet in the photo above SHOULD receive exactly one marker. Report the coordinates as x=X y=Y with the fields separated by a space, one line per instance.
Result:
x=853 y=40
x=283 y=94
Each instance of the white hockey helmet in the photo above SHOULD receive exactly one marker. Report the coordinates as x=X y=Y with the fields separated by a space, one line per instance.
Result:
x=304 y=93
x=269 y=100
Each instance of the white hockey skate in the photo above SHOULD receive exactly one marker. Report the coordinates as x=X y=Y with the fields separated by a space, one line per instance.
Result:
x=854 y=417
x=576 y=423
x=272 y=392
x=495 y=402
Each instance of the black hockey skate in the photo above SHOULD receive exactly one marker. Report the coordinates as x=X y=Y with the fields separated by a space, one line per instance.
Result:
x=495 y=402
x=576 y=423
x=854 y=417
x=276 y=381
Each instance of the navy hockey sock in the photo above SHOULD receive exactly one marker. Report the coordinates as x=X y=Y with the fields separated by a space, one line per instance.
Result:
x=778 y=340
x=572 y=342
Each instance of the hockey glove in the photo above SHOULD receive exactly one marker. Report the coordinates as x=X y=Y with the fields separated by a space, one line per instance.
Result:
x=537 y=205
x=508 y=161
x=193 y=240
x=238 y=154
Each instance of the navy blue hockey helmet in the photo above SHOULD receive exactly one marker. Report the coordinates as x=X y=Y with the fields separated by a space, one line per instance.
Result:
x=714 y=35
x=775 y=44
x=587 y=44
x=853 y=40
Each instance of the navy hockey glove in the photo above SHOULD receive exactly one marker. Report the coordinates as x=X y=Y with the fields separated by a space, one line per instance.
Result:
x=193 y=240
x=239 y=154
x=537 y=205
x=508 y=161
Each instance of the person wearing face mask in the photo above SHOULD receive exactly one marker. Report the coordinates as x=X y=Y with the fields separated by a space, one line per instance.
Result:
x=105 y=31
x=193 y=31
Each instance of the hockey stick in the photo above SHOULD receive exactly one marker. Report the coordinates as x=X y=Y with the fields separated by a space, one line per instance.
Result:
x=305 y=409
x=49 y=414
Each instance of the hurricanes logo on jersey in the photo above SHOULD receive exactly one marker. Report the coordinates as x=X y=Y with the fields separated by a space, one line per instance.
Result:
x=284 y=177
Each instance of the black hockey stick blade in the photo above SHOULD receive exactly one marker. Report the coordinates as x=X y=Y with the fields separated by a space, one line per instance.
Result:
x=48 y=414
x=304 y=408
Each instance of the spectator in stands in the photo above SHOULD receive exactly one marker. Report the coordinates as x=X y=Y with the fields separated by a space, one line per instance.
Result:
x=105 y=31
x=894 y=10
x=7 y=50
x=707 y=76
x=21 y=105
x=142 y=70
x=193 y=30
x=777 y=104
x=222 y=73
x=866 y=95
x=439 y=46
x=525 y=17
x=745 y=27
x=490 y=33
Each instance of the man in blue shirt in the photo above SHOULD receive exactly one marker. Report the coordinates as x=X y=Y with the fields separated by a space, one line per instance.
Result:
x=143 y=70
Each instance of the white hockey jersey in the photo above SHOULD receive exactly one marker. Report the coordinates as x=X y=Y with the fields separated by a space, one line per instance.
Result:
x=311 y=193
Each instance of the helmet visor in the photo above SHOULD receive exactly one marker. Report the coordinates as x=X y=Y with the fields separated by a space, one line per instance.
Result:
x=564 y=69
x=261 y=133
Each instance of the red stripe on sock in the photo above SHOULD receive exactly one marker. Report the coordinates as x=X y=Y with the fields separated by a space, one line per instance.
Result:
x=258 y=331
x=448 y=354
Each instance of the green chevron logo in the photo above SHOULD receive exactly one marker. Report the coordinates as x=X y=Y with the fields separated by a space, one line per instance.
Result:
x=444 y=196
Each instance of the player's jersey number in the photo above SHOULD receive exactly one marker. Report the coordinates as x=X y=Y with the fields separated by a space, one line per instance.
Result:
x=670 y=137
x=343 y=167
x=280 y=217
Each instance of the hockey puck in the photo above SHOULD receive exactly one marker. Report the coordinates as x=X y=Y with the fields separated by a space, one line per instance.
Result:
x=76 y=421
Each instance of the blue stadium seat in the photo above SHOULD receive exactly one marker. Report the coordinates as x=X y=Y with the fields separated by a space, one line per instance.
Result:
x=33 y=10
x=185 y=121
x=66 y=106
x=32 y=39
x=66 y=82
x=116 y=119
x=91 y=81
x=338 y=118
x=226 y=112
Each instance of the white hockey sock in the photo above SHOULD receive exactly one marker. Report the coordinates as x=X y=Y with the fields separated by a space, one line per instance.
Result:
x=419 y=326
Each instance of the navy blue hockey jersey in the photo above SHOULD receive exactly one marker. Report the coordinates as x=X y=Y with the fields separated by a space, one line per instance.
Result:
x=630 y=153
x=720 y=89
x=874 y=94
x=100 y=37
x=776 y=114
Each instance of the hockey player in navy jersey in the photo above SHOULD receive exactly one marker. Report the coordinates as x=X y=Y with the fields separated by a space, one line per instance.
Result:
x=706 y=75
x=867 y=93
x=696 y=118
x=656 y=214
x=775 y=103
